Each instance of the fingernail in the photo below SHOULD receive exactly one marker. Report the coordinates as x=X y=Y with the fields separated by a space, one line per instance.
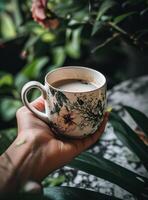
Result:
x=32 y=187
x=109 y=109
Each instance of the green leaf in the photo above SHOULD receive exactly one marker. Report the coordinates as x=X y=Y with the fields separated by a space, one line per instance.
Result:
x=143 y=12
x=2 y=5
x=8 y=108
x=33 y=69
x=67 y=8
x=7 y=26
x=97 y=26
x=140 y=118
x=44 y=34
x=4 y=143
x=16 y=10
x=59 y=56
x=63 y=193
x=7 y=79
x=20 y=80
x=48 y=37
x=117 y=28
x=106 y=42
x=38 y=30
x=6 y=138
x=31 y=41
x=73 y=45
x=69 y=193
x=129 y=138
x=49 y=181
x=103 y=168
x=123 y=17
x=104 y=7
x=35 y=94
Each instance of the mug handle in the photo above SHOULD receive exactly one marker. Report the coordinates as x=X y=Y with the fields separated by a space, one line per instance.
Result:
x=28 y=86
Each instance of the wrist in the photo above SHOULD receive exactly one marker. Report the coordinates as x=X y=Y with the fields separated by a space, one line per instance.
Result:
x=13 y=173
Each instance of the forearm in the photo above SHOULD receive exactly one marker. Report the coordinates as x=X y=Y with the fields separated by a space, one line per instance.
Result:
x=12 y=162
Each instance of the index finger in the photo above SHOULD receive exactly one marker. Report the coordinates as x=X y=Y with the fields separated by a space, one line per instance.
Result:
x=39 y=103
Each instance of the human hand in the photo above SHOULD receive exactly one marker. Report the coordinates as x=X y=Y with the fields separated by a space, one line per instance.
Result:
x=37 y=151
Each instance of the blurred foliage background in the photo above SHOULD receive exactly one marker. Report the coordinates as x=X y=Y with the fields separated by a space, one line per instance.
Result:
x=108 y=35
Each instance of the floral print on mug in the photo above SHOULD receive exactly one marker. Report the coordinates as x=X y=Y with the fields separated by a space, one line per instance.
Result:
x=72 y=113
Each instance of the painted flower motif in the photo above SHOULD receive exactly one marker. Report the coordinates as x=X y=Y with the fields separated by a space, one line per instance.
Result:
x=65 y=120
x=76 y=115
x=39 y=8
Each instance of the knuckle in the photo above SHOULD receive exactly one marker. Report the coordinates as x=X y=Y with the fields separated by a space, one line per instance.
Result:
x=20 y=111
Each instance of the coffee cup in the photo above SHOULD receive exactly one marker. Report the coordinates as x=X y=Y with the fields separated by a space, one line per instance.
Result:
x=75 y=100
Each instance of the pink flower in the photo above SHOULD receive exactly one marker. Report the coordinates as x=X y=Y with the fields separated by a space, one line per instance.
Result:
x=39 y=14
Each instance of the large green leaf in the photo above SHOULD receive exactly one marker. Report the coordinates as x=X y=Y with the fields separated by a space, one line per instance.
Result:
x=20 y=80
x=33 y=69
x=104 y=7
x=69 y=7
x=68 y=193
x=7 y=79
x=73 y=44
x=122 y=17
x=2 y=5
x=105 y=43
x=4 y=143
x=17 y=13
x=8 y=108
x=6 y=138
x=8 y=30
x=129 y=138
x=140 y=118
x=103 y=168
x=59 y=56
x=98 y=25
x=31 y=41
x=63 y=193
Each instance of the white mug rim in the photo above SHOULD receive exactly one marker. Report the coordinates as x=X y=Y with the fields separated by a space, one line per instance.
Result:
x=72 y=67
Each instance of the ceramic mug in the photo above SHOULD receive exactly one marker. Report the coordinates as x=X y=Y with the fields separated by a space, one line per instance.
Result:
x=73 y=114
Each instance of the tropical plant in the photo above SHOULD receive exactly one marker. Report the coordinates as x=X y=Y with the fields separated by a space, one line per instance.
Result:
x=79 y=32
x=101 y=167
x=83 y=26
x=73 y=30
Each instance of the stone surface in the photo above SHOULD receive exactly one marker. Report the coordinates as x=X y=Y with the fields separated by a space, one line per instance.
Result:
x=132 y=93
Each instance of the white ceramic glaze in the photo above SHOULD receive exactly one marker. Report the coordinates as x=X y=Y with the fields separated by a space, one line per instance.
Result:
x=74 y=114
